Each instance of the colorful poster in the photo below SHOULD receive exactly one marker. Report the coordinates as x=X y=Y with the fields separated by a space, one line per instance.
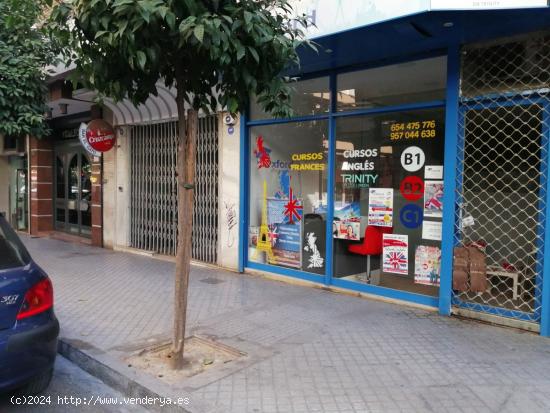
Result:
x=395 y=254
x=427 y=265
x=380 y=207
x=286 y=242
x=276 y=211
x=432 y=230
x=348 y=229
x=433 y=199
x=348 y=222
x=253 y=233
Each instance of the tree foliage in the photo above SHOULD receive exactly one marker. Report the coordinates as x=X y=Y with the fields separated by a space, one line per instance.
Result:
x=216 y=53
x=233 y=47
x=24 y=54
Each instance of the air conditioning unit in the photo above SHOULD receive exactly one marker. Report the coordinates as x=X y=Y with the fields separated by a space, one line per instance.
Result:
x=10 y=145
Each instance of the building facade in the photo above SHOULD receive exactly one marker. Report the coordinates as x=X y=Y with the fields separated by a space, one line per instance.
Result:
x=416 y=130
x=414 y=140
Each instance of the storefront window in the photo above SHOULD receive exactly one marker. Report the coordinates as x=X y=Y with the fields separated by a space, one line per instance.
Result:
x=310 y=97
x=288 y=195
x=388 y=200
x=410 y=82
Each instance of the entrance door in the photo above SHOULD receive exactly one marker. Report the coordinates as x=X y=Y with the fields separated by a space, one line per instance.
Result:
x=21 y=210
x=502 y=179
x=73 y=201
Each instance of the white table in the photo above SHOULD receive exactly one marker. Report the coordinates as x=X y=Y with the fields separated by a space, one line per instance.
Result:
x=495 y=271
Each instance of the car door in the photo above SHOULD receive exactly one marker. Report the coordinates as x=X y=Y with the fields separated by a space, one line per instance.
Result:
x=14 y=272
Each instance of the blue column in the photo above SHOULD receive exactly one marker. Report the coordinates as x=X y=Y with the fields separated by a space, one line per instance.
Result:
x=449 y=178
x=545 y=259
x=243 y=192
x=330 y=182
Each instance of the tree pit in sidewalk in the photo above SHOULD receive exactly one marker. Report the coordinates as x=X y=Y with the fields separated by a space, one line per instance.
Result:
x=200 y=355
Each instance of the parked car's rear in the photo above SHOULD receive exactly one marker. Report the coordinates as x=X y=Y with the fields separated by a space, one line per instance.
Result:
x=28 y=327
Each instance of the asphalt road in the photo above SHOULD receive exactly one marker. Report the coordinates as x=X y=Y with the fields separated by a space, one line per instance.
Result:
x=69 y=380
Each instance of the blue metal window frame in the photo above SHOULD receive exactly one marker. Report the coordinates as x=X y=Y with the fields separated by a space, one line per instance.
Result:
x=542 y=311
x=545 y=304
x=449 y=179
x=332 y=116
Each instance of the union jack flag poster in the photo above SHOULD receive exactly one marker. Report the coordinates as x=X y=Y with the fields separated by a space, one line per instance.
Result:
x=395 y=254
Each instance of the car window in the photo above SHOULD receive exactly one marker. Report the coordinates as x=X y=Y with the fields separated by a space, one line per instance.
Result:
x=12 y=252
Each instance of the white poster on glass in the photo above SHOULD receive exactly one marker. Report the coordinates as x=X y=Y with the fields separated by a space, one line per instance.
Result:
x=433 y=172
x=395 y=254
x=432 y=230
x=380 y=207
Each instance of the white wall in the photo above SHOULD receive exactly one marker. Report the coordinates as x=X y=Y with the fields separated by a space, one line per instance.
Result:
x=116 y=192
x=122 y=189
x=229 y=162
x=109 y=204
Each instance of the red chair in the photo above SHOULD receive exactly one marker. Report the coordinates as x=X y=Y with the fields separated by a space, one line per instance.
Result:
x=372 y=243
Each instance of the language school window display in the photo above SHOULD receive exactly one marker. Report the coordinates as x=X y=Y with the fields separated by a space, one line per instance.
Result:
x=389 y=199
x=387 y=179
x=288 y=178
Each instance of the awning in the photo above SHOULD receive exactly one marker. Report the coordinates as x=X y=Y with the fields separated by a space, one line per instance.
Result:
x=155 y=109
x=418 y=34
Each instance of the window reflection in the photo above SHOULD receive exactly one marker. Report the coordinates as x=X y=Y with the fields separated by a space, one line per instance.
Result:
x=417 y=81
x=310 y=97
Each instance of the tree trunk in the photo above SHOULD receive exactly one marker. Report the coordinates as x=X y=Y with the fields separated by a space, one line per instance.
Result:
x=187 y=131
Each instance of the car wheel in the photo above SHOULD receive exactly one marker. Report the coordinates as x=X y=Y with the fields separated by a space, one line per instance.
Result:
x=37 y=385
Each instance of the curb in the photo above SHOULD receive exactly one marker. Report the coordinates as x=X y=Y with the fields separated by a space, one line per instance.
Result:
x=118 y=376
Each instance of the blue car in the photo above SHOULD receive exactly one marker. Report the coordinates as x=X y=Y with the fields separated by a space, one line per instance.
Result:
x=28 y=326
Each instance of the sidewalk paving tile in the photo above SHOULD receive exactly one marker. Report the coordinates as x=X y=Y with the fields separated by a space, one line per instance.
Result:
x=308 y=350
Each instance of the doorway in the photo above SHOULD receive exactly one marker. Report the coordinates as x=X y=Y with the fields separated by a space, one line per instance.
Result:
x=18 y=199
x=21 y=201
x=73 y=191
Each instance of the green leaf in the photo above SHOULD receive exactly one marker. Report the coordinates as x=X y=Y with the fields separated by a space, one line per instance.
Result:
x=254 y=53
x=100 y=33
x=186 y=24
x=199 y=32
x=248 y=17
x=171 y=20
x=141 y=58
x=240 y=51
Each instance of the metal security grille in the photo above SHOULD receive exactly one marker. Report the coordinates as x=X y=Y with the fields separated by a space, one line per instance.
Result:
x=503 y=170
x=153 y=204
x=153 y=199
x=205 y=218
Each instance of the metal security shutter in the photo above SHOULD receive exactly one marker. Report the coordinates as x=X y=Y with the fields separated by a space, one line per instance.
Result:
x=153 y=199
x=205 y=218
x=503 y=170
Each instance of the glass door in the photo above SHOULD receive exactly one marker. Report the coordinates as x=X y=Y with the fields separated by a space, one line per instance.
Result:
x=21 y=202
x=73 y=193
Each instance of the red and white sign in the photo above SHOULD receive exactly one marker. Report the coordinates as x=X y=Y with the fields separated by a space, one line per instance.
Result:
x=412 y=188
x=100 y=135
x=395 y=254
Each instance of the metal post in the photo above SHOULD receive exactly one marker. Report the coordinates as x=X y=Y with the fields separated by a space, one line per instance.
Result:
x=243 y=191
x=545 y=162
x=449 y=198
x=330 y=181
